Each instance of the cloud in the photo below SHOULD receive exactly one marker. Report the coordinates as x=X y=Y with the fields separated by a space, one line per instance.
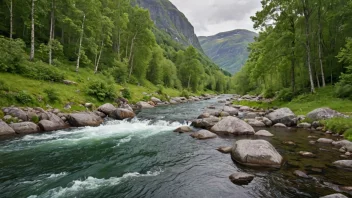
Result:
x=213 y=16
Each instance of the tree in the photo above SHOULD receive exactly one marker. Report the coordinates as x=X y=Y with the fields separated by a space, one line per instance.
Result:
x=32 y=32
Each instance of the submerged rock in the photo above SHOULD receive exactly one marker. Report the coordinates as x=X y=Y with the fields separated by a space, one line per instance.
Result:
x=345 y=164
x=225 y=149
x=256 y=153
x=241 y=178
x=25 y=127
x=203 y=134
x=284 y=116
x=280 y=125
x=264 y=133
x=232 y=125
x=5 y=129
x=84 y=119
x=307 y=154
x=183 y=129
x=325 y=140
x=323 y=114
x=300 y=174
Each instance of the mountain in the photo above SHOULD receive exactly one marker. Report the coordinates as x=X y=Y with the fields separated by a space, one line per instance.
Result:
x=171 y=21
x=228 y=49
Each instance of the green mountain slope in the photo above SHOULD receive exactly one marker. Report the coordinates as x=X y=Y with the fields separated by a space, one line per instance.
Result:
x=171 y=21
x=228 y=49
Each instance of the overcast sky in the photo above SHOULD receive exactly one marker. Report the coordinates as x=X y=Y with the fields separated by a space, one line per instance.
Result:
x=210 y=17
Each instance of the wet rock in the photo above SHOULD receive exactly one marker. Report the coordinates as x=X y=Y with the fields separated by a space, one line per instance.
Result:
x=144 y=105
x=348 y=154
x=211 y=107
x=300 y=174
x=100 y=114
x=25 y=127
x=224 y=149
x=312 y=142
x=183 y=129
x=255 y=123
x=290 y=143
x=223 y=114
x=323 y=114
x=241 y=178
x=84 y=119
x=126 y=106
x=232 y=125
x=343 y=143
x=344 y=164
x=346 y=188
x=256 y=153
x=245 y=108
x=280 y=125
x=284 y=116
x=250 y=115
x=205 y=123
x=337 y=195
x=121 y=114
x=106 y=108
x=304 y=125
x=5 y=129
x=316 y=124
x=342 y=150
x=263 y=133
x=232 y=111
x=204 y=115
x=307 y=154
x=155 y=100
x=325 y=141
x=265 y=120
x=53 y=123
x=203 y=134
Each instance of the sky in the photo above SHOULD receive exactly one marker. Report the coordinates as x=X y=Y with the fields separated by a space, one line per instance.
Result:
x=210 y=17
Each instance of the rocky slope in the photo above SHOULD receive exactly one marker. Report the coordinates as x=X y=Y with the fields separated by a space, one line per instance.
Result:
x=171 y=21
x=228 y=49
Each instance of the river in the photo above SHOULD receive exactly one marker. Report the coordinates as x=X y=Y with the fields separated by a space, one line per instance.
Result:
x=144 y=158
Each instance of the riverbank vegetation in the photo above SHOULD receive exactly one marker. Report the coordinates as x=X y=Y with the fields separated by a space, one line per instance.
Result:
x=103 y=47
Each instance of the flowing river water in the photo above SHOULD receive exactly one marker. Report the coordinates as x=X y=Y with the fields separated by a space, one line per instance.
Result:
x=144 y=158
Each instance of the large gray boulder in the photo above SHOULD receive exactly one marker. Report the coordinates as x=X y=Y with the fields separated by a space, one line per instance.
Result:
x=144 y=105
x=232 y=111
x=121 y=114
x=205 y=123
x=5 y=129
x=255 y=123
x=84 y=119
x=53 y=123
x=323 y=114
x=284 y=116
x=232 y=125
x=344 y=143
x=203 y=134
x=17 y=112
x=337 y=195
x=107 y=108
x=25 y=127
x=259 y=153
x=345 y=164
x=241 y=178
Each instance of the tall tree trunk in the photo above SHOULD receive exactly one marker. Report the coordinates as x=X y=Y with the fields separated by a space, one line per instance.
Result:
x=51 y=38
x=320 y=45
x=293 y=60
x=132 y=45
x=317 y=75
x=31 y=57
x=131 y=68
x=11 y=18
x=97 y=63
x=80 y=43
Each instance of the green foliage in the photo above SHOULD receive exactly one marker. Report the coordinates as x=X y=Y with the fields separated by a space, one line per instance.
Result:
x=40 y=71
x=269 y=93
x=12 y=54
x=24 y=98
x=126 y=93
x=285 y=95
x=348 y=134
x=2 y=114
x=35 y=119
x=101 y=90
x=344 y=87
x=52 y=95
x=185 y=94
x=338 y=125
x=4 y=86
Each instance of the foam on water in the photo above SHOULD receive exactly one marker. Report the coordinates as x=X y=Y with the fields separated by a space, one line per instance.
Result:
x=111 y=129
x=91 y=183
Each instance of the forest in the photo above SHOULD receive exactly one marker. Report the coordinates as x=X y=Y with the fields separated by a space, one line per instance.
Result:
x=43 y=40
x=303 y=45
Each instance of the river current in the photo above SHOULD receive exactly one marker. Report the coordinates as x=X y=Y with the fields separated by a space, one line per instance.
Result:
x=144 y=158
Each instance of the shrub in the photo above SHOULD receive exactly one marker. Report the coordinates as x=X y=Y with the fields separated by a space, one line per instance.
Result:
x=12 y=53
x=343 y=90
x=348 y=134
x=126 y=93
x=269 y=93
x=101 y=90
x=338 y=125
x=40 y=71
x=185 y=93
x=35 y=119
x=285 y=95
x=24 y=98
x=52 y=95
x=4 y=86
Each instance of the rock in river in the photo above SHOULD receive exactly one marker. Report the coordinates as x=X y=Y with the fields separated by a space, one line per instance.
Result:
x=84 y=119
x=284 y=116
x=325 y=141
x=323 y=113
x=107 y=108
x=300 y=174
x=121 y=114
x=183 y=129
x=25 y=127
x=337 y=195
x=225 y=149
x=144 y=105
x=345 y=164
x=256 y=153
x=264 y=133
x=232 y=125
x=5 y=129
x=53 y=123
x=205 y=123
x=241 y=178
x=203 y=134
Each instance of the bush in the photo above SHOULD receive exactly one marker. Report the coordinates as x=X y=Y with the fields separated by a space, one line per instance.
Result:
x=344 y=90
x=12 y=54
x=285 y=95
x=269 y=93
x=338 y=125
x=35 y=119
x=52 y=95
x=101 y=90
x=348 y=134
x=24 y=98
x=4 y=86
x=2 y=114
x=40 y=71
x=126 y=93
x=185 y=93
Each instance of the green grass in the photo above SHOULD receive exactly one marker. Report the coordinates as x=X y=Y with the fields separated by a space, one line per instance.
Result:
x=303 y=104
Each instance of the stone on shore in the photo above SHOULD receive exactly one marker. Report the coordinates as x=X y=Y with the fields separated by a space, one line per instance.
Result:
x=241 y=178
x=325 y=141
x=256 y=153
x=107 y=108
x=121 y=114
x=344 y=164
x=84 y=119
x=304 y=125
x=203 y=134
x=183 y=129
x=232 y=111
x=205 y=123
x=284 y=116
x=255 y=123
x=280 y=125
x=232 y=125
x=323 y=114
x=264 y=133
x=5 y=129
x=25 y=127
x=16 y=112
x=300 y=174
x=144 y=105
x=53 y=123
